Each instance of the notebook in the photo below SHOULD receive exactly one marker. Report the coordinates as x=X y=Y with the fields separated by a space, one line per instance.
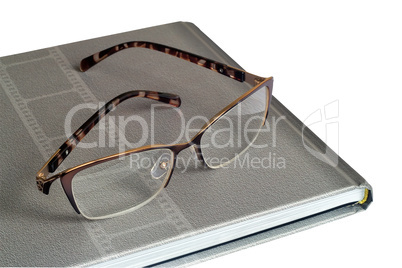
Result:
x=293 y=182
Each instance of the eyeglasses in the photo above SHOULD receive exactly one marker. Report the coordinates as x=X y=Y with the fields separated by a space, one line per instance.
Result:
x=111 y=186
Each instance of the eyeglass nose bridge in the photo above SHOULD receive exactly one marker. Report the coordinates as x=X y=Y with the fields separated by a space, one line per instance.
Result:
x=196 y=154
x=194 y=147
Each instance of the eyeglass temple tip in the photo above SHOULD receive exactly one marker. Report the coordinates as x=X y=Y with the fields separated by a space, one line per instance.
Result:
x=85 y=64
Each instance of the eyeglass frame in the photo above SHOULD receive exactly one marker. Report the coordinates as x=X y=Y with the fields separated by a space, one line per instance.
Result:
x=66 y=176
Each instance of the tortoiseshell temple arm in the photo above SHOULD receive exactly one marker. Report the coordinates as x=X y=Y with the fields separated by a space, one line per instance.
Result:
x=218 y=67
x=54 y=162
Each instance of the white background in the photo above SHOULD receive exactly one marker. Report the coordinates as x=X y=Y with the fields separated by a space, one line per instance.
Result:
x=350 y=51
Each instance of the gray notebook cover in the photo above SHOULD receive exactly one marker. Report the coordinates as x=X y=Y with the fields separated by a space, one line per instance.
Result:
x=39 y=88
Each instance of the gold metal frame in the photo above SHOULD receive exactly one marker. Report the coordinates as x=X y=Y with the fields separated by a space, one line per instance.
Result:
x=66 y=176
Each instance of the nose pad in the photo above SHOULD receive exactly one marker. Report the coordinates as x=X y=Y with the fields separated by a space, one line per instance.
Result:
x=161 y=166
x=196 y=154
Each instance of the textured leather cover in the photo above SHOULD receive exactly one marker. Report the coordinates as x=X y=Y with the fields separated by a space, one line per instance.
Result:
x=37 y=89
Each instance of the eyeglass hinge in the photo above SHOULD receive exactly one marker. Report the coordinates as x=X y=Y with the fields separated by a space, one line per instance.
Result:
x=258 y=80
x=44 y=183
x=40 y=182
